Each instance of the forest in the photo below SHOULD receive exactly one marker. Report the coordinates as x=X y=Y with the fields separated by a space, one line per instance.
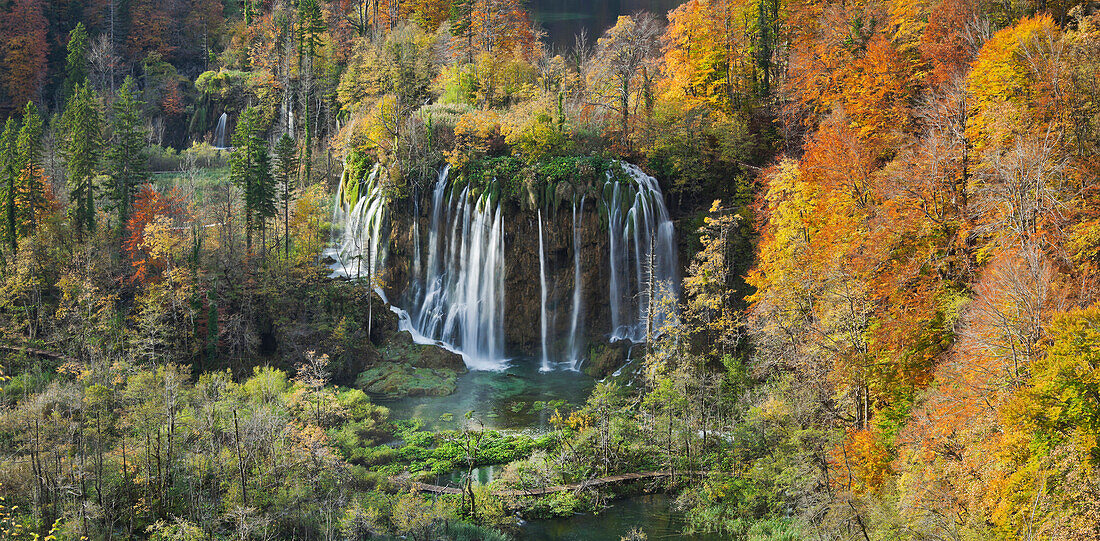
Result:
x=419 y=269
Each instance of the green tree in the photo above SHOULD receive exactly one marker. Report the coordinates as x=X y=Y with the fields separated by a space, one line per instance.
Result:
x=462 y=25
x=31 y=195
x=82 y=123
x=250 y=169
x=286 y=171
x=76 y=61
x=10 y=176
x=311 y=24
x=126 y=157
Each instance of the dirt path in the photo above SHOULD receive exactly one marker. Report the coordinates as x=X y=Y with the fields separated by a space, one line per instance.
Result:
x=38 y=352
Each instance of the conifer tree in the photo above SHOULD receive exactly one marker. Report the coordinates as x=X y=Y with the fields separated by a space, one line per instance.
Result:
x=83 y=124
x=250 y=169
x=76 y=60
x=286 y=171
x=9 y=174
x=30 y=196
x=126 y=158
x=311 y=24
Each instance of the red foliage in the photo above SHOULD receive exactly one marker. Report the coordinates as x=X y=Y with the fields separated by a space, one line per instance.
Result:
x=24 y=51
x=172 y=103
x=147 y=207
x=944 y=44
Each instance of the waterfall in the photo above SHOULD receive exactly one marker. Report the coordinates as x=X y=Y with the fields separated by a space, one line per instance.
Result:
x=640 y=235
x=574 y=344
x=542 y=284
x=454 y=295
x=219 y=133
x=362 y=248
x=458 y=297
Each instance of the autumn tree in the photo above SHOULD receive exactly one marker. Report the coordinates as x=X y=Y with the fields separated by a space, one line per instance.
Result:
x=149 y=29
x=710 y=285
x=624 y=66
x=149 y=206
x=24 y=52
x=708 y=56
x=498 y=27
x=126 y=153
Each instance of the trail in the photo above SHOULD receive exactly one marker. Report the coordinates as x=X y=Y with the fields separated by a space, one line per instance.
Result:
x=38 y=352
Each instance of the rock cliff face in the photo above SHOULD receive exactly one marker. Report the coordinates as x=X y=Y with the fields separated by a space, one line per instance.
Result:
x=472 y=260
x=522 y=295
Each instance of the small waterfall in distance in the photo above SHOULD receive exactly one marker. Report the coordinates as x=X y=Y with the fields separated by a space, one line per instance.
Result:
x=455 y=295
x=542 y=303
x=219 y=133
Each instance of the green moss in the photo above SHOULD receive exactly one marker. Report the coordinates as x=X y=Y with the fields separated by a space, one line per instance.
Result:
x=395 y=380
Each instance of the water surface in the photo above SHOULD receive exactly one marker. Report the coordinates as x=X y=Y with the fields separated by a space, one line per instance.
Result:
x=563 y=19
x=651 y=513
x=519 y=397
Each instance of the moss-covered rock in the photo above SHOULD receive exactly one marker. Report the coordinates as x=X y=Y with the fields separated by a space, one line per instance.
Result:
x=603 y=359
x=400 y=348
x=406 y=368
x=397 y=380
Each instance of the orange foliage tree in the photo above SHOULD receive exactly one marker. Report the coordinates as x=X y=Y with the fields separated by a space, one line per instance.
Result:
x=498 y=27
x=24 y=51
x=707 y=53
x=149 y=206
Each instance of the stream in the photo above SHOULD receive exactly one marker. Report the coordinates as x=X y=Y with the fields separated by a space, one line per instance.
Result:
x=523 y=398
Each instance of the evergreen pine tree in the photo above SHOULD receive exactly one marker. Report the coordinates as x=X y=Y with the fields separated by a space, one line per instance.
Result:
x=9 y=175
x=311 y=24
x=31 y=193
x=83 y=124
x=76 y=60
x=286 y=171
x=264 y=186
x=250 y=169
x=126 y=157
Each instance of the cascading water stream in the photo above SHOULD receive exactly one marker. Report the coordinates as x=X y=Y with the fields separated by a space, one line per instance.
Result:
x=458 y=299
x=542 y=304
x=455 y=294
x=639 y=226
x=574 y=343
x=362 y=250
x=219 y=133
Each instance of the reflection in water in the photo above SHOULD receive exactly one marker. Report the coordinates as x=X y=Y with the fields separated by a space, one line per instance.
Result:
x=519 y=397
x=563 y=19
x=652 y=514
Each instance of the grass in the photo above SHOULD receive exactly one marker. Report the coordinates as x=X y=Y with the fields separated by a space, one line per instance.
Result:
x=202 y=182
